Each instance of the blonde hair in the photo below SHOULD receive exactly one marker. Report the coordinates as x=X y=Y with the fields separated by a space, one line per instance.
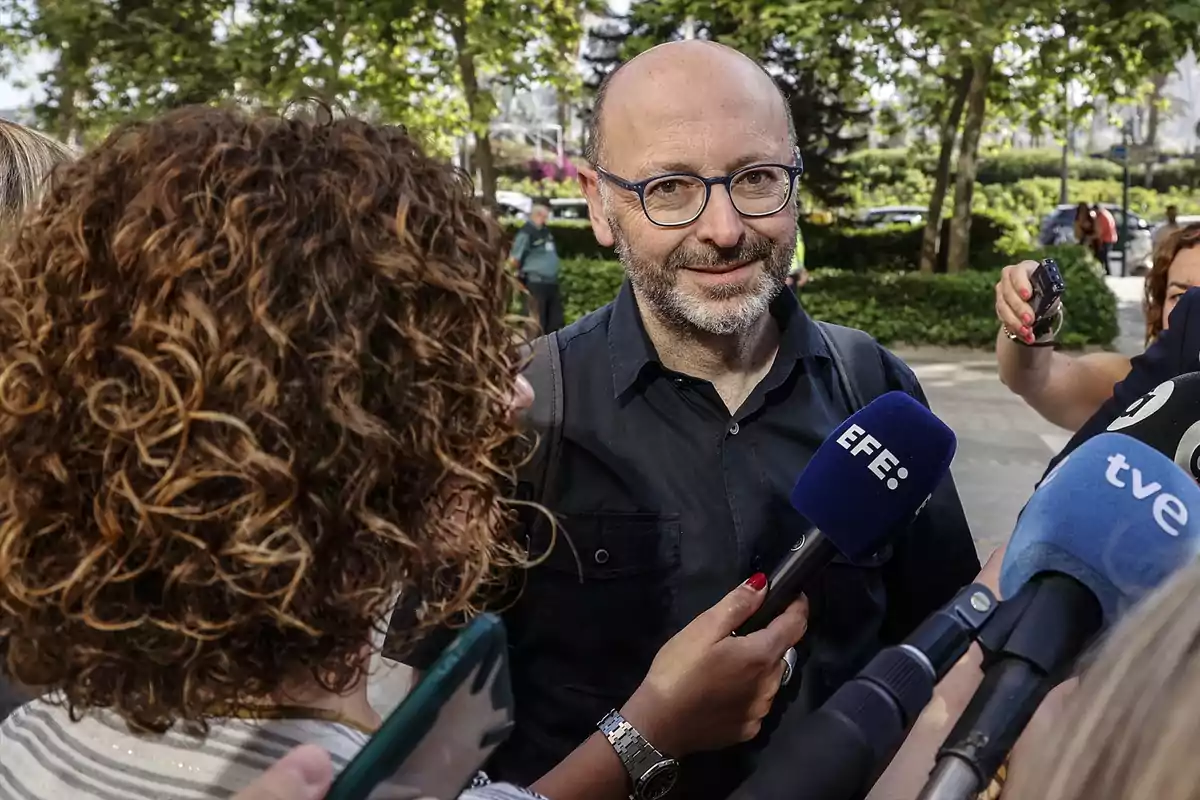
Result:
x=26 y=157
x=1130 y=730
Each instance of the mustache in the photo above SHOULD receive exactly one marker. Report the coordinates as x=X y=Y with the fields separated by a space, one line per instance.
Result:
x=758 y=248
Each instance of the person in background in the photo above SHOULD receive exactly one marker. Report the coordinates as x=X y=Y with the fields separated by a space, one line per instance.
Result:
x=1129 y=729
x=797 y=275
x=1106 y=233
x=267 y=389
x=1068 y=389
x=536 y=260
x=1085 y=226
x=1168 y=227
x=26 y=158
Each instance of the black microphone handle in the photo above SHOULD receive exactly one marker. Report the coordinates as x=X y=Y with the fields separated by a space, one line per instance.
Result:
x=1060 y=618
x=838 y=751
x=811 y=553
x=829 y=756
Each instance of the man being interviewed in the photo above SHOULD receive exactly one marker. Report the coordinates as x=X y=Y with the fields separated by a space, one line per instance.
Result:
x=691 y=404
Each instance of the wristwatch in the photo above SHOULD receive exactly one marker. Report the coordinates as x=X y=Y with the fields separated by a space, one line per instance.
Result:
x=652 y=774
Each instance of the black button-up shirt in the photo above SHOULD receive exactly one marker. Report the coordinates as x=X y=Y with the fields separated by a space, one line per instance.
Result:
x=667 y=502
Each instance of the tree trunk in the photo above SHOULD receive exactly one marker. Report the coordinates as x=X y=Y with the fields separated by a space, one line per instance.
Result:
x=941 y=182
x=968 y=162
x=476 y=107
x=1152 y=120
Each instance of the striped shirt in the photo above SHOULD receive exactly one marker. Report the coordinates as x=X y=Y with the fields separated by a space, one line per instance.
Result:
x=46 y=756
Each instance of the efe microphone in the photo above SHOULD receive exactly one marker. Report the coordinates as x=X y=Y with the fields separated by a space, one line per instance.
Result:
x=1108 y=525
x=866 y=482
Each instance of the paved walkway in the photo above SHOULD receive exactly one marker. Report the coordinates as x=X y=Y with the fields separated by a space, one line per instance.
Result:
x=1003 y=446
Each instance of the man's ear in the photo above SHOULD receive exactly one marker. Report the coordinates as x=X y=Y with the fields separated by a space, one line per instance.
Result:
x=589 y=183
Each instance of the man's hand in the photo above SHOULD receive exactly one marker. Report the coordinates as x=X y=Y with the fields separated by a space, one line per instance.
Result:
x=1012 y=295
x=303 y=774
x=707 y=689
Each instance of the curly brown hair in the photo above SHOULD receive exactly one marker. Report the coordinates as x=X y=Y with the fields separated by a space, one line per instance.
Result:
x=245 y=363
x=1155 y=296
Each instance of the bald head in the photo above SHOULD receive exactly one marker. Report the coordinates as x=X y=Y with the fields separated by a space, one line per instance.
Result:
x=693 y=77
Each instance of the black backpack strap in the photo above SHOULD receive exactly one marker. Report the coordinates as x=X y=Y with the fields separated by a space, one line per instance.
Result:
x=857 y=362
x=545 y=416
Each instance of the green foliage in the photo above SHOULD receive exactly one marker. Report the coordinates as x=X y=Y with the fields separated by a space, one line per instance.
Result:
x=587 y=284
x=898 y=247
x=543 y=188
x=907 y=307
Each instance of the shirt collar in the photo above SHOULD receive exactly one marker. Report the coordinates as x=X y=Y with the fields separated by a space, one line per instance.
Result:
x=630 y=349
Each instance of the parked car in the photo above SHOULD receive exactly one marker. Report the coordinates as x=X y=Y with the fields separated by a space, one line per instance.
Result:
x=511 y=204
x=1059 y=228
x=568 y=208
x=883 y=216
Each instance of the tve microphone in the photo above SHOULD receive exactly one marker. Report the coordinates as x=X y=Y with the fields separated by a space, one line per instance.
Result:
x=1168 y=419
x=1109 y=524
x=865 y=482
x=837 y=752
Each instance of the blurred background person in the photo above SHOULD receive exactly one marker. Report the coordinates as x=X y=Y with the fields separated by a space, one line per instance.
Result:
x=26 y=157
x=1129 y=729
x=1068 y=389
x=535 y=258
x=232 y=420
x=797 y=276
x=1106 y=233
x=1085 y=226
x=1168 y=227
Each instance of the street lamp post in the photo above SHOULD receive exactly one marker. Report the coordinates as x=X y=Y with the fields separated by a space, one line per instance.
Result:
x=1126 y=139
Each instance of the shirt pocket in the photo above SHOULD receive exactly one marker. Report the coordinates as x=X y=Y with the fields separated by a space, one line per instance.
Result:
x=601 y=598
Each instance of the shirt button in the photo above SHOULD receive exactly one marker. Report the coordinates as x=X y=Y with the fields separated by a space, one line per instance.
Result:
x=601 y=556
x=733 y=429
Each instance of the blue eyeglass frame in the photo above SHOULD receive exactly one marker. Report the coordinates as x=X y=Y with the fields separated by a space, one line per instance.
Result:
x=639 y=187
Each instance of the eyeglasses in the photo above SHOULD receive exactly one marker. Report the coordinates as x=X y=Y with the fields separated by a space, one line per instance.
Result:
x=679 y=198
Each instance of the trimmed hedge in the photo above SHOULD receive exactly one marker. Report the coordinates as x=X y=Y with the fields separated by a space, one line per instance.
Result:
x=908 y=307
x=957 y=309
x=896 y=248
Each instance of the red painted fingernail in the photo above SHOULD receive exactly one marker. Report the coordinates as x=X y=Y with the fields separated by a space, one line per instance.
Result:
x=1025 y=331
x=1024 y=294
x=757 y=581
x=1027 y=318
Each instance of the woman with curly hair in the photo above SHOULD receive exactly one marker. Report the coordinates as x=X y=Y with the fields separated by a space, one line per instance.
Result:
x=246 y=363
x=1067 y=390
x=256 y=382
x=26 y=157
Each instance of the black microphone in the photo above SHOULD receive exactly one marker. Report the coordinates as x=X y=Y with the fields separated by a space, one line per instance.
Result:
x=1110 y=523
x=1168 y=419
x=838 y=751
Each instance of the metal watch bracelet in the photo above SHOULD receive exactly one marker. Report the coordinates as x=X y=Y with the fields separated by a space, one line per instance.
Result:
x=1045 y=331
x=652 y=775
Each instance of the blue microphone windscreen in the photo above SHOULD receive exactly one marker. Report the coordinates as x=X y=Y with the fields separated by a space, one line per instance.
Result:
x=873 y=474
x=1116 y=515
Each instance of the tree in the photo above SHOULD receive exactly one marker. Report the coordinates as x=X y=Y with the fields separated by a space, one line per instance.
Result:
x=469 y=48
x=119 y=58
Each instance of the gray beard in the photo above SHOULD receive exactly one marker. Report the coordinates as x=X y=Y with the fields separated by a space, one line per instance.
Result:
x=657 y=285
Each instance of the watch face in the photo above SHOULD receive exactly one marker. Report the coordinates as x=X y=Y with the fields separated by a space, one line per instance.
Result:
x=658 y=781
